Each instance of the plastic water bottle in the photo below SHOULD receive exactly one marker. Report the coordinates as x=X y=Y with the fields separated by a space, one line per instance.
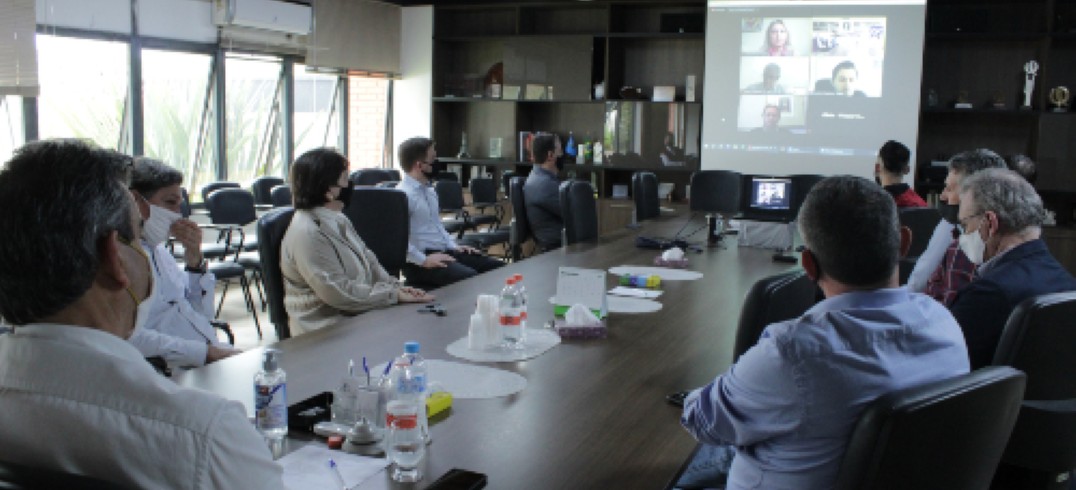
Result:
x=409 y=378
x=511 y=321
x=569 y=147
x=270 y=397
x=521 y=292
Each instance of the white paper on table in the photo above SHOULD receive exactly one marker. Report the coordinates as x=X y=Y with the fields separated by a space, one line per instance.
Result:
x=467 y=381
x=538 y=341
x=308 y=467
x=634 y=292
x=665 y=273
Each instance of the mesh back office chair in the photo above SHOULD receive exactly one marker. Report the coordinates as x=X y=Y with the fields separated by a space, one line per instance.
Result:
x=944 y=435
x=280 y=196
x=716 y=192
x=773 y=299
x=262 y=187
x=579 y=210
x=644 y=190
x=1040 y=340
x=20 y=477
x=380 y=217
x=270 y=229
x=230 y=209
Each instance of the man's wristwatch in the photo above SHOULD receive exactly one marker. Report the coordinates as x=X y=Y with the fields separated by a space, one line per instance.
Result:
x=200 y=269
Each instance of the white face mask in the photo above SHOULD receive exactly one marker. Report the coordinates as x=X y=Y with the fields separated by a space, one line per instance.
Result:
x=156 y=228
x=973 y=245
x=143 y=310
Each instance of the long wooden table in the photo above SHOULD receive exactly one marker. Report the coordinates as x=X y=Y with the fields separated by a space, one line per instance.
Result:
x=593 y=414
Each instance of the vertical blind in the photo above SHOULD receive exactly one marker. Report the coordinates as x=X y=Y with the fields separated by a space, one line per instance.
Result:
x=18 y=57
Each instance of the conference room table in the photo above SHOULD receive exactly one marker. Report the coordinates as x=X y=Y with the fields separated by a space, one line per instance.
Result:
x=593 y=414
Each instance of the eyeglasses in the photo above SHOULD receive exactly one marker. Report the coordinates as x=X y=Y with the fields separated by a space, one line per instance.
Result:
x=961 y=227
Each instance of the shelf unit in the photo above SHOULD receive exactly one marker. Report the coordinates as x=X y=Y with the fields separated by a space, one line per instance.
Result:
x=571 y=48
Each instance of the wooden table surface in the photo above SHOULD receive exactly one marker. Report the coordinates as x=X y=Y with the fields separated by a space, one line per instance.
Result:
x=593 y=414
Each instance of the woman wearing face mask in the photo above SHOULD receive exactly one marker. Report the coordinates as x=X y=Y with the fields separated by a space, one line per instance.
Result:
x=177 y=328
x=328 y=271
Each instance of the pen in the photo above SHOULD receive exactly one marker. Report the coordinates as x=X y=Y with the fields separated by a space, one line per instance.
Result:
x=336 y=475
x=386 y=371
x=366 y=368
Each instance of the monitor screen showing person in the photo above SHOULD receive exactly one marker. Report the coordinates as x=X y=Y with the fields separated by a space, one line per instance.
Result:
x=771 y=193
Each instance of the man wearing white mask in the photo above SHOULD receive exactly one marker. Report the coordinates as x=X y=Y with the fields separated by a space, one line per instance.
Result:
x=75 y=395
x=1000 y=218
x=178 y=328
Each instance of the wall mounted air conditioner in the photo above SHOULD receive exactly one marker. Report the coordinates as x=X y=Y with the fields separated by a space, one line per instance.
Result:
x=270 y=15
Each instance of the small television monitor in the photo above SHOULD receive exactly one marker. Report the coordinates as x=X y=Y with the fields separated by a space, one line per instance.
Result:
x=768 y=198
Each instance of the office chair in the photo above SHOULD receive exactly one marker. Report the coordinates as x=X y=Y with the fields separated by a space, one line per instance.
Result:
x=394 y=174
x=270 y=229
x=773 y=299
x=389 y=184
x=506 y=182
x=450 y=200
x=213 y=186
x=281 y=196
x=716 y=192
x=446 y=177
x=946 y=435
x=381 y=219
x=922 y=222
x=370 y=176
x=519 y=228
x=1040 y=340
x=262 y=188
x=230 y=209
x=579 y=211
x=644 y=190
x=801 y=186
x=484 y=196
x=20 y=477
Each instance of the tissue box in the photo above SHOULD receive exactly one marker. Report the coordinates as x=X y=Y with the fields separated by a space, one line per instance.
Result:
x=673 y=264
x=574 y=332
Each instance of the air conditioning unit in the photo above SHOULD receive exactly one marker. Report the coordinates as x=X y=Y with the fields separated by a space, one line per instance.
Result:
x=270 y=15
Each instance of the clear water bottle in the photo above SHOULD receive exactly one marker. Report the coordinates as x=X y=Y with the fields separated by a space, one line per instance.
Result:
x=409 y=378
x=270 y=397
x=521 y=291
x=511 y=320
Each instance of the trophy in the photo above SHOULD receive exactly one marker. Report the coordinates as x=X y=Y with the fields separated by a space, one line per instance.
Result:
x=962 y=100
x=1060 y=96
x=463 y=148
x=1031 y=69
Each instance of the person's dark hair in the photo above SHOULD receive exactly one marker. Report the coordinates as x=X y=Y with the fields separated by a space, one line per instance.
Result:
x=850 y=225
x=969 y=162
x=844 y=65
x=413 y=150
x=312 y=174
x=59 y=198
x=895 y=157
x=773 y=70
x=542 y=145
x=1006 y=193
x=149 y=176
x=1025 y=166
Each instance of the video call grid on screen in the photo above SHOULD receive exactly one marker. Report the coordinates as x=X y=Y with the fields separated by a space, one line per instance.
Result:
x=771 y=193
x=816 y=85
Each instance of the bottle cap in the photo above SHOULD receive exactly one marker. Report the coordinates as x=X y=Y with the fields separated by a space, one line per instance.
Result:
x=411 y=347
x=510 y=280
x=518 y=277
x=271 y=360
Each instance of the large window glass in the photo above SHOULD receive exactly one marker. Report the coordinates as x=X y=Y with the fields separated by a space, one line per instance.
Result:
x=367 y=119
x=11 y=133
x=317 y=114
x=178 y=108
x=252 y=115
x=83 y=89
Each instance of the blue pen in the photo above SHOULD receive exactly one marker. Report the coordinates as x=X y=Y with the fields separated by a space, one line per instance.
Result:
x=336 y=475
x=366 y=368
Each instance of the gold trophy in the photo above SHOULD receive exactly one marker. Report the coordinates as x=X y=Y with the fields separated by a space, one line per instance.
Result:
x=1060 y=96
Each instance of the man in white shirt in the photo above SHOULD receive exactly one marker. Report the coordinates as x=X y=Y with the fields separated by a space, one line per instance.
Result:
x=75 y=395
x=178 y=328
x=434 y=259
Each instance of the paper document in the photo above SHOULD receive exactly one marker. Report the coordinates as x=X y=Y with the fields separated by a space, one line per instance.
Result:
x=308 y=467
x=635 y=293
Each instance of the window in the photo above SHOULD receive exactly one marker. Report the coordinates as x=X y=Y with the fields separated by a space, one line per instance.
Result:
x=11 y=130
x=367 y=121
x=252 y=116
x=83 y=89
x=178 y=123
x=317 y=110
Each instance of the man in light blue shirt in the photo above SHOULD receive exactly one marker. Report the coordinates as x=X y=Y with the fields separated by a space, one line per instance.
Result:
x=434 y=259
x=784 y=412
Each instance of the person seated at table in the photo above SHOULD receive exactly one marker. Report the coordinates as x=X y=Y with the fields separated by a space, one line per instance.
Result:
x=328 y=271
x=76 y=396
x=178 y=328
x=434 y=259
x=541 y=192
x=781 y=416
x=1001 y=223
x=889 y=170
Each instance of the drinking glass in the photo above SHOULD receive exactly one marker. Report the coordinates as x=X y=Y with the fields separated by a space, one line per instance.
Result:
x=405 y=448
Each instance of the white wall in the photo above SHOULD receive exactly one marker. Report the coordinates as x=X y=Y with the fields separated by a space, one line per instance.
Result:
x=411 y=108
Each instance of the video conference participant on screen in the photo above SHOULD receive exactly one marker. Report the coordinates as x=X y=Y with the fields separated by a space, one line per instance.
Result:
x=771 y=119
x=842 y=81
x=777 y=40
x=770 y=75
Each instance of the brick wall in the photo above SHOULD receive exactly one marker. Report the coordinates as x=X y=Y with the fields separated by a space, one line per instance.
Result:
x=368 y=98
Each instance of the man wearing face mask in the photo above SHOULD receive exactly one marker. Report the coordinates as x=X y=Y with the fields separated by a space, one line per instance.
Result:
x=178 y=329
x=784 y=412
x=75 y=395
x=434 y=259
x=1000 y=221
x=541 y=192
x=942 y=269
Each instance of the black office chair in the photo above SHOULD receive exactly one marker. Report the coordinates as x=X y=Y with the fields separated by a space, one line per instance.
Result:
x=395 y=174
x=506 y=182
x=280 y=196
x=579 y=210
x=270 y=229
x=446 y=177
x=262 y=188
x=921 y=221
x=230 y=209
x=801 y=186
x=484 y=197
x=370 y=176
x=20 y=477
x=644 y=190
x=943 y=435
x=389 y=184
x=773 y=299
x=1040 y=340
x=380 y=217
x=716 y=193
x=213 y=186
x=519 y=228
